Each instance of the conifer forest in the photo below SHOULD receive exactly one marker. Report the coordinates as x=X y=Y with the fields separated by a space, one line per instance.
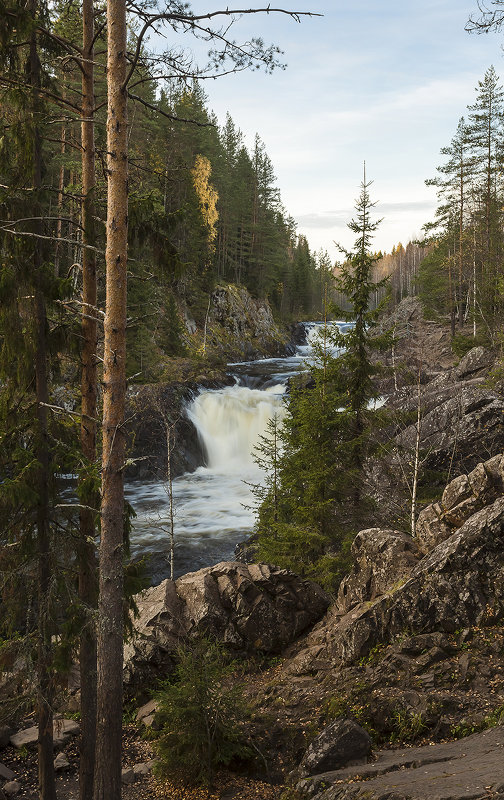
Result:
x=168 y=336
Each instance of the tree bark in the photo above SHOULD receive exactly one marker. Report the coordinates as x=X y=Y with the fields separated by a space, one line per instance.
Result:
x=86 y=549
x=61 y=186
x=110 y=609
x=45 y=684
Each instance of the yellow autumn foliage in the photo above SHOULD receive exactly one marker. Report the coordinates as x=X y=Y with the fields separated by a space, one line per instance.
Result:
x=207 y=195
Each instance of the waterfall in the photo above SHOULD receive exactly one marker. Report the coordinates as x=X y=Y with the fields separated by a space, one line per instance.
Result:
x=214 y=505
x=231 y=421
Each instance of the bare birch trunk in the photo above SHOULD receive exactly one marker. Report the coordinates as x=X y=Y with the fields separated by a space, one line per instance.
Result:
x=474 y=284
x=169 y=481
x=394 y=370
x=416 y=459
x=110 y=610
x=206 y=324
x=86 y=549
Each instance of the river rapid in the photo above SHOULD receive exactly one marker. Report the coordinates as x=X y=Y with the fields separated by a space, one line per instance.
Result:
x=214 y=506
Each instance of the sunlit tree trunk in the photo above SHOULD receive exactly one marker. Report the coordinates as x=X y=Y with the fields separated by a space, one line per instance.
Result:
x=87 y=559
x=110 y=611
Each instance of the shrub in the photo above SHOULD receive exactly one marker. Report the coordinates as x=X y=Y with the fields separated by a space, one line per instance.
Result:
x=202 y=715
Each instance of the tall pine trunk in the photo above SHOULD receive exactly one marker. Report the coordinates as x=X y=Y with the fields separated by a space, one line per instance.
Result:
x=110 y=608
x=86 y=549
x=45 y=684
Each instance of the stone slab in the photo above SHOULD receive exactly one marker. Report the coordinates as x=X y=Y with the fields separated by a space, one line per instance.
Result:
x=467 y=769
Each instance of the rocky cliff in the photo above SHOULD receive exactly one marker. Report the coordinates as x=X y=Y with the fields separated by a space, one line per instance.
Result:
x=461 y=411
x=412 y=650
x=151 y=411
x=240 y=327
x=251 y=609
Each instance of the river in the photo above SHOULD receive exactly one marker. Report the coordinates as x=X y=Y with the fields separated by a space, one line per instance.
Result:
x=214 y=505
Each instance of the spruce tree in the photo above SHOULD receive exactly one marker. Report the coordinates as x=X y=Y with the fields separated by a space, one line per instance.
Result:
x=34 y=444
x=356 y=284
x=315 y=498
x=299 y=520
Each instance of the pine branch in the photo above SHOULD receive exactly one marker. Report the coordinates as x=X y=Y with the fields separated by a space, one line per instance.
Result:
x=62 y=410
x=190 y=20
x=41 y=236
x=39 y=92
x=170 y=116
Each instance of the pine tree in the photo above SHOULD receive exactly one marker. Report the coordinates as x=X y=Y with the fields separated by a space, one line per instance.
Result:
x=88 y=489
x=484 y=131
x=107 y=781
x=454 y=184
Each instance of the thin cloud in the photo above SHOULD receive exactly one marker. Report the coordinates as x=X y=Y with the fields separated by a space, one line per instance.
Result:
x=404 y=207
x=338 y=219
x=341 y=217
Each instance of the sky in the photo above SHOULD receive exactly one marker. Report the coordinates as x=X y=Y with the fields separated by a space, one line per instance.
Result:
x=380 y=81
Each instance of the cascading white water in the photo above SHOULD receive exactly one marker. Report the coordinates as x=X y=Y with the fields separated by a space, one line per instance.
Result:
x=213 y=505
x=231 y=421
x=315 y=336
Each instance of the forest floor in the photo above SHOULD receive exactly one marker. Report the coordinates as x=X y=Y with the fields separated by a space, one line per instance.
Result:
x=227 y=785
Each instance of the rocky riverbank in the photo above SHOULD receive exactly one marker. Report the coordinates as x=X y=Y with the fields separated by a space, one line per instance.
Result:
x=238 y=328
x=453 y=407
x=394 y=688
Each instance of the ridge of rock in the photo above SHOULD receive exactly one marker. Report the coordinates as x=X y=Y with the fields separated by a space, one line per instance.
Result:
x=255 y=607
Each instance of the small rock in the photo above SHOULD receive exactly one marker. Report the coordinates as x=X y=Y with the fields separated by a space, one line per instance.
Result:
x=477 y=360
x=143 y=769
x=432 y=656
x=12 y=788
x=5 y=734
x=127 y=776
x=146 y=713
x=457 y=515
x=416 y=645
x=61 y=763
x=383 y=557
x=25 y=738
x=341 y=743
x=456 y=492
x=427 y=681
x=63 y=729
x=463 y=663
x=431 y=529
x=5 y=773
